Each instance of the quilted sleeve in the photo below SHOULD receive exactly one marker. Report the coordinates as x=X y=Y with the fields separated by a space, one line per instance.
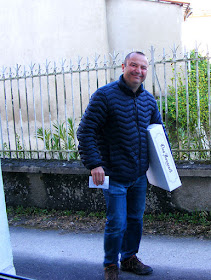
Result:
x=91 y=123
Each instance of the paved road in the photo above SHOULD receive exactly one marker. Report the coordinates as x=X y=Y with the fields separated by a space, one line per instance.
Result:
x=56 y=255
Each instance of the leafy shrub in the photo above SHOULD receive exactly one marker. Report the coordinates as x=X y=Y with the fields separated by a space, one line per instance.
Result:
x=61 y=140
x=190 y=131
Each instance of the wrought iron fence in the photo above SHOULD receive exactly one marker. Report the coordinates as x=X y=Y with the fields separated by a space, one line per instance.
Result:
x=184 y=100
x=42 y=104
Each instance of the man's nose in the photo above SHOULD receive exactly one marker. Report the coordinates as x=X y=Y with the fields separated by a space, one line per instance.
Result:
x=138 y=70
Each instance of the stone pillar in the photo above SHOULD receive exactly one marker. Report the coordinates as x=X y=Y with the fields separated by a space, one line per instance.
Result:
x=6 y=257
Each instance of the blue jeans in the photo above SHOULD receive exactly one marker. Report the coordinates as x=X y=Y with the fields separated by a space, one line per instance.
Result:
x=125 y=204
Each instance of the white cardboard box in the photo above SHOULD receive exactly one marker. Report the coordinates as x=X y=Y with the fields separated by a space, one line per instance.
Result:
x=162 y=171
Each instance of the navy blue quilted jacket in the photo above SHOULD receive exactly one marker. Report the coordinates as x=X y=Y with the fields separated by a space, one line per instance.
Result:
x=113 y=130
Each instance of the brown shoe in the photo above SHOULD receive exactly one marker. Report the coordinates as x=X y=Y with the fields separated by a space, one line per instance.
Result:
x=133 y=264
x=111 y=272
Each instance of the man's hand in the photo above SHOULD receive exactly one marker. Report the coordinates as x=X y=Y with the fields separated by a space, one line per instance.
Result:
x=98 y=175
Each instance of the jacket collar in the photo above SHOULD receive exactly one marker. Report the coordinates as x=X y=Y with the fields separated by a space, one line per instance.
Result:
x=127 y=90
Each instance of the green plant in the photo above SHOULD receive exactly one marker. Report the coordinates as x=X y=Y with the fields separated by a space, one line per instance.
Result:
x=62 y=139
x=100 y=215
x=198 y=218
x=193 y=218
x=6 y=153
x=19 y=153
x=188 y=122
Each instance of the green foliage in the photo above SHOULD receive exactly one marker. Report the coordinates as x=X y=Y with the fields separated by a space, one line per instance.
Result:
x=28 y=211
x=193 y=136
x=5 y=154
x=197 y=218
x=20 y=153
x=81 y=214
x=34 y=211
x=61 y=139
x=101 y=215
x=57 y=141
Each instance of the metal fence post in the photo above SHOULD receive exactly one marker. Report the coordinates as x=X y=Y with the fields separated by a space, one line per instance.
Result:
x=153 y=69
x=27 y=91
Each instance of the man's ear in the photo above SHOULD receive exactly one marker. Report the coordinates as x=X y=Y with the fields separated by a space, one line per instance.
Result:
x=123 y=67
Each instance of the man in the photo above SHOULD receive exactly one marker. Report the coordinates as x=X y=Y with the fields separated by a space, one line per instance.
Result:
x=113 y=141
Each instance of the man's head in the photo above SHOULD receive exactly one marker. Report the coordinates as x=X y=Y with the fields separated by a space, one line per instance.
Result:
x=135 y=69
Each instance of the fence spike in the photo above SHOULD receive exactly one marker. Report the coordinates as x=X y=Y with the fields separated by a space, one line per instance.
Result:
x=47 y=65
x=63 y=63
x=208 y=54
x=71 y=66
x=79 y=62
x=114 y=57
x=17 y=69
x=87 y=64
x=62 y=79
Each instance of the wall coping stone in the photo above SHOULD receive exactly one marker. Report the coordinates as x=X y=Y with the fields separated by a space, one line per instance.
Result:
x=194 y=169
x=43 y=166
x=185 y=169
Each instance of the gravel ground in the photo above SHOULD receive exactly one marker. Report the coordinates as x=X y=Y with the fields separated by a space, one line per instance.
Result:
x=75 y=223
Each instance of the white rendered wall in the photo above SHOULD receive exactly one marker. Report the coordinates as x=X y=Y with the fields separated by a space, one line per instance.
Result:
x=33 y=31
x=6 y=257
x=36 y=30
x=140 y=24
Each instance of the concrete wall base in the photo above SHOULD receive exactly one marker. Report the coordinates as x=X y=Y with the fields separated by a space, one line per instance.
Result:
x=63 y=185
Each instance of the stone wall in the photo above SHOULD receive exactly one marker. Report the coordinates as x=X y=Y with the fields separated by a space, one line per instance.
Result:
x=64 y=185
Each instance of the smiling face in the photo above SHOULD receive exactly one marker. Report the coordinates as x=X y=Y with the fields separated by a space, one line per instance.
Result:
x=135 y=70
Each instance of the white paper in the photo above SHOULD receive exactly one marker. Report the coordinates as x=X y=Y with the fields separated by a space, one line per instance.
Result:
x=162 y=171
x=105 y=185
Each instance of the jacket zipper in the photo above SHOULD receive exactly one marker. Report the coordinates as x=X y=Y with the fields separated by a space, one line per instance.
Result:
x=136 y=111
